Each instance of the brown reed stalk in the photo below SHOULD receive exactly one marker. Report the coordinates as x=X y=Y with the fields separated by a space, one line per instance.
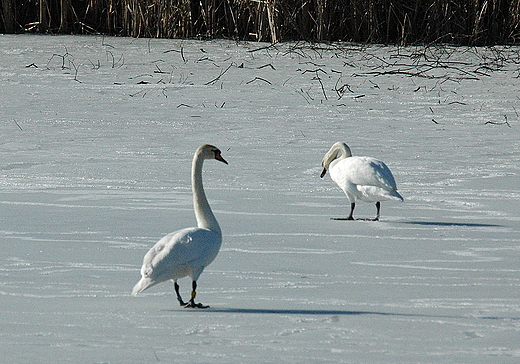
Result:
x=368 y=21
x=8 y=15
x=513 y=25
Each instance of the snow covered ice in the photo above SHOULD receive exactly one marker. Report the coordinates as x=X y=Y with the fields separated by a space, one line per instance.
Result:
x=97 y=136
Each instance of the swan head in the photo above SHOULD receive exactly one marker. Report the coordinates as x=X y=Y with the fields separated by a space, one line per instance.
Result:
x=210 y=152
x=332 y=154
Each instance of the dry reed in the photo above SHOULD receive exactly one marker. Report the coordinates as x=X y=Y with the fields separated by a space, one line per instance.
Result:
x=475 y=22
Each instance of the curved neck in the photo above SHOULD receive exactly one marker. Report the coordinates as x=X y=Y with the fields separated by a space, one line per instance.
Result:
x=332 y=154
x=203 y=213
x=344 y=149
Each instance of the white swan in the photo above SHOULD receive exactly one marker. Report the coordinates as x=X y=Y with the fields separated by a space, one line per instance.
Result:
x=188 y=251
x=361 y=178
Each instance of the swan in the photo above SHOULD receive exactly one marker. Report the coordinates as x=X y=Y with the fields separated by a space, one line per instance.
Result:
x=361 y=178
x=188 y=251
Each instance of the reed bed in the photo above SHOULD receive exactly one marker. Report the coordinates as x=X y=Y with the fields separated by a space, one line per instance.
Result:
x=473 y=22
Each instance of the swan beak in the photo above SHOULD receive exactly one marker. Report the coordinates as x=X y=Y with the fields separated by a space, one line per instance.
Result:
x=323 y=172
x=219 y=158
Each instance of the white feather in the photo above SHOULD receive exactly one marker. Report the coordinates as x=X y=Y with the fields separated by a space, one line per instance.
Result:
x=361 y=178
x=189 y=251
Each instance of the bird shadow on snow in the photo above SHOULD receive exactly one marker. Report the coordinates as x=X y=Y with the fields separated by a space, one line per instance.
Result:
x=260 y=311
x=425 y=223
x=441 y=223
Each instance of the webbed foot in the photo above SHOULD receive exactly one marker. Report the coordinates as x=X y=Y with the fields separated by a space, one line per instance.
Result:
x=192 y=304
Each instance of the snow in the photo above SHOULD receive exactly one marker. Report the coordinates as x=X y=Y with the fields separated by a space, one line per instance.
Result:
x=97 y=136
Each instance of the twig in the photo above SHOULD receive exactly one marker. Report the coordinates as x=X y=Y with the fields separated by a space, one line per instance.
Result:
x=267 y=65
x=182 y=55
x=341 y=90
x=66 y=55
x=499 y=123
x=258 y=78
x=158 y=70
x=317 y=77
x=181 y=52
x=218 y=77
x=95 y=66
x=114 y=63
x=105 y=44
x=272 y=45
x=18 y=125
x=322 y=88
x=137 y=93
x=456 y=102
x=303 y=93
x=314 y=71
x=75 y=71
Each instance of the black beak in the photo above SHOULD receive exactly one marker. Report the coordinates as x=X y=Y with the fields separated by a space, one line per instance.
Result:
x=323 y=172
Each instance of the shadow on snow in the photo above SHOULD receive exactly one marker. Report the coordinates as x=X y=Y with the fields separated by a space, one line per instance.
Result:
x=275 y=311
x=440 y=223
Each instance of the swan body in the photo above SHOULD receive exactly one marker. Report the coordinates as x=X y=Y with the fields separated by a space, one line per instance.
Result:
x=361 y=178
x=186 y=252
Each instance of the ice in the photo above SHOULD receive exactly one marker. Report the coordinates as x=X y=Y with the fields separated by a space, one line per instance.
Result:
x=97 y=136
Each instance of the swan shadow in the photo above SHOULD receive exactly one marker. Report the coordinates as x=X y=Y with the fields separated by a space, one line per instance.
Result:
x=275 y=311
x=441 y=223
x=269 y=311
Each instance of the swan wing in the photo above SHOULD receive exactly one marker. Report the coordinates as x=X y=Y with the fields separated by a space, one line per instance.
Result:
x=366 y=171
x=179 y=254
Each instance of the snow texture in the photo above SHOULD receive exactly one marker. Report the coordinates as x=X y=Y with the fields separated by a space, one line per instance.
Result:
x=96 y=140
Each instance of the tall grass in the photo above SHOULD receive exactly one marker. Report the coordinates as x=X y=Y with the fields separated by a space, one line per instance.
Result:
x=369 y=21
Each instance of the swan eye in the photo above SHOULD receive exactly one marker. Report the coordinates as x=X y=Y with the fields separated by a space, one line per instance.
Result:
x=218 y=156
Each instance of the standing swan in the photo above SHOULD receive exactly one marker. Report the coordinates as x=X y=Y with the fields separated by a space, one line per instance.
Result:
x=188 y=251
x=361 y=178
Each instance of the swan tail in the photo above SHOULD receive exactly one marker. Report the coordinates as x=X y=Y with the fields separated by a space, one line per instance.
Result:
x=144 y=283
x=397 y=196
x=392 y=195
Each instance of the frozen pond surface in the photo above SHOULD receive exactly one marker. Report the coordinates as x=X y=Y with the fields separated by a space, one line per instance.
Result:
x=96 y=140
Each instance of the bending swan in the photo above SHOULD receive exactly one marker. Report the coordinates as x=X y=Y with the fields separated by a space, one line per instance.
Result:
x=361 y=178
x=188 y=251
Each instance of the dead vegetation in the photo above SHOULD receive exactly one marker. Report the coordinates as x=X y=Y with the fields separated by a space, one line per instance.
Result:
x=470 y=22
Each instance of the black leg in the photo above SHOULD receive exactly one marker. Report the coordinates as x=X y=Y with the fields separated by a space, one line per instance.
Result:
x=191 y=303
x=179 y=298
x=352 y=206
x=378 y=207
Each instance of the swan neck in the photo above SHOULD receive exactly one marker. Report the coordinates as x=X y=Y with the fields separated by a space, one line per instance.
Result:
x=344 y=149
x=332 y=158
x=203 y=213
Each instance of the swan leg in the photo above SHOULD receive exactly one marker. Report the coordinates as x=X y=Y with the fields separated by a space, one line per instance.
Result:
x=378 y=209
x=179 y=298
x=191 y=303
x=352 y=206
